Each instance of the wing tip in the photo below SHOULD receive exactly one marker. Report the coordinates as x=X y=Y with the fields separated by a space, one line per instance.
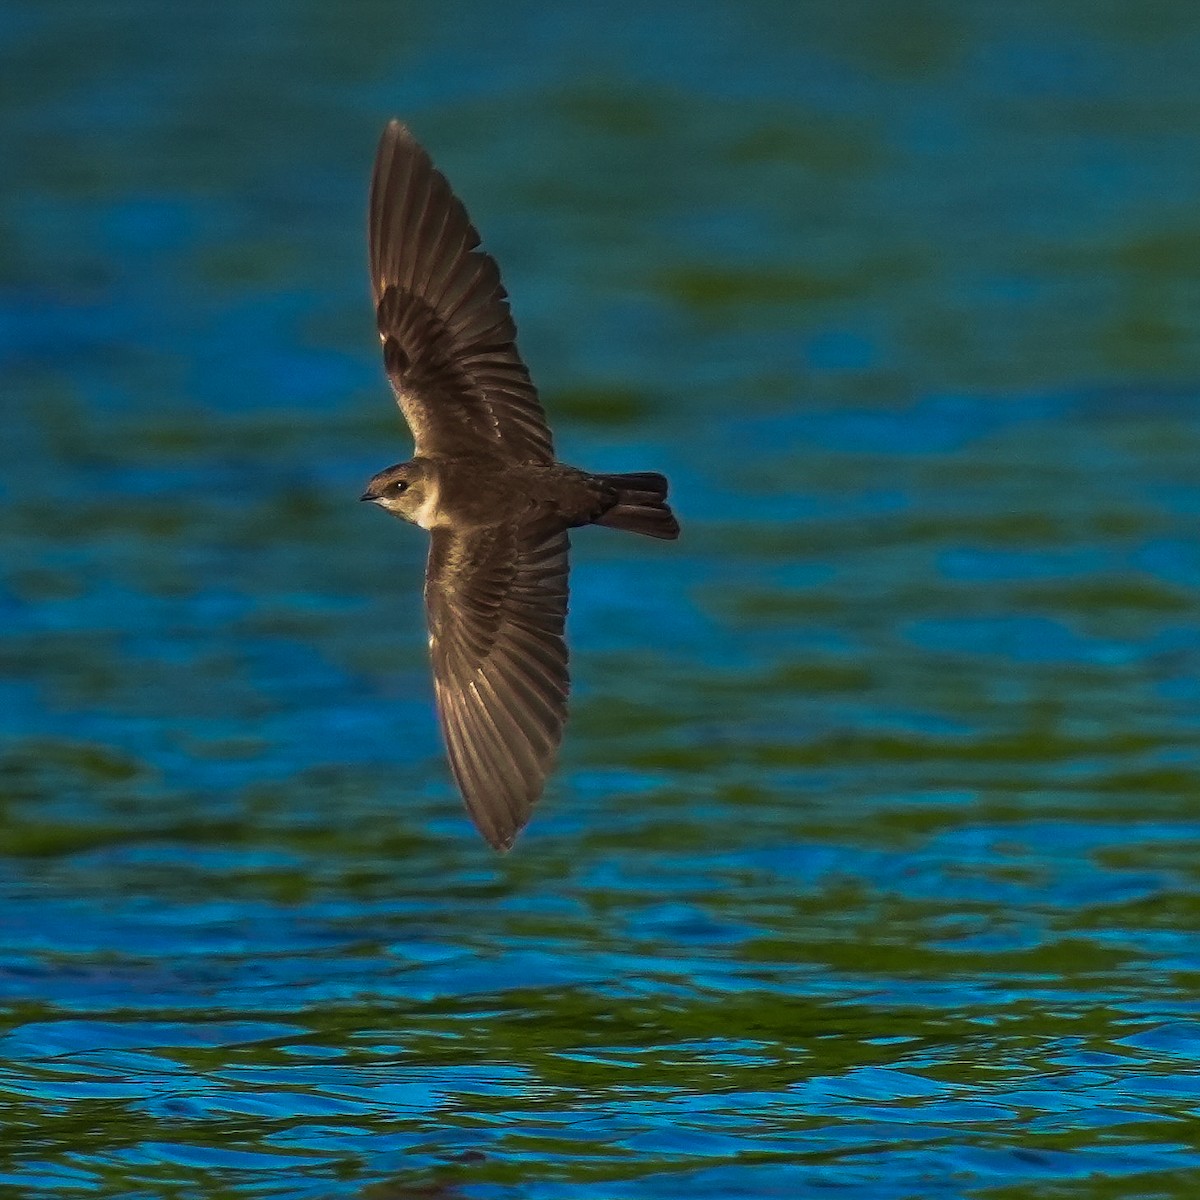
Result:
x=397 y=129
x=396 y=137
x=502 y=845
x=501 y=835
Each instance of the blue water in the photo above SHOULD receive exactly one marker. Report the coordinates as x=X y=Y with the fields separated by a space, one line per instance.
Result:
x=870 y=868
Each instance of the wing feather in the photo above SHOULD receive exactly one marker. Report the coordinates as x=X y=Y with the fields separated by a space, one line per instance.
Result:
x=497 y=602
x=449 y=340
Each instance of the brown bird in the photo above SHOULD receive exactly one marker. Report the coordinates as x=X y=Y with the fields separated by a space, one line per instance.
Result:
x=485 y=483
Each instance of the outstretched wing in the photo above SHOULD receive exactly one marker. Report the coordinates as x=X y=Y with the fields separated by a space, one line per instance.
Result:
x=496 y=600
x=448 y=338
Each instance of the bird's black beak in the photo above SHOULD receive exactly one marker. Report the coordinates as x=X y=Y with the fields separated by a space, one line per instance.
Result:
x=368 y=496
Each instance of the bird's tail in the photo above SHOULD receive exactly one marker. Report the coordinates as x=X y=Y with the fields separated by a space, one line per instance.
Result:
x=641 y=505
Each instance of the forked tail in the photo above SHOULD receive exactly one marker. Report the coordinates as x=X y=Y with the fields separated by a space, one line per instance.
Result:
x=641 y=505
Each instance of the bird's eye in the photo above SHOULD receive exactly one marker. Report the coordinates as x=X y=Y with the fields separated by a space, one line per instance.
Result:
x=399 y=486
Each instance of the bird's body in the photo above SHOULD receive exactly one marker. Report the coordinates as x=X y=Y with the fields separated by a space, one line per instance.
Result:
x=484 y=481
x=474 y=492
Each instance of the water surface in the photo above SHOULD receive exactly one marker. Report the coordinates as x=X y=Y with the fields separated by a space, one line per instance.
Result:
x=871 y=865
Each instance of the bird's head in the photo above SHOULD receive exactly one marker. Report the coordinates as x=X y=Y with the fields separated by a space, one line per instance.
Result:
x=405 y=490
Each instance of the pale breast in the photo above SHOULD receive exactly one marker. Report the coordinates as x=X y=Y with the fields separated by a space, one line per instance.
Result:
x=429 y=515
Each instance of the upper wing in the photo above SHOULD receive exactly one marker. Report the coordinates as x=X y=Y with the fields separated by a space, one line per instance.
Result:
x=497 y=603
x=448 y=337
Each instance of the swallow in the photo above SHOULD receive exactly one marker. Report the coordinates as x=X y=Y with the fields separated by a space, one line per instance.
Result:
x=483 y=480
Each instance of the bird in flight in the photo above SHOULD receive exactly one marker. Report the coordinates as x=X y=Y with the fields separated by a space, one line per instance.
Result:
x=484 y=481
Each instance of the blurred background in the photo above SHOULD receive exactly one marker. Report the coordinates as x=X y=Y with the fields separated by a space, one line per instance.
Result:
x=871 y=862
